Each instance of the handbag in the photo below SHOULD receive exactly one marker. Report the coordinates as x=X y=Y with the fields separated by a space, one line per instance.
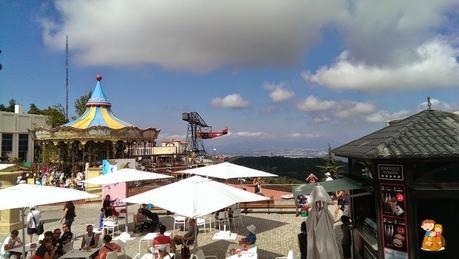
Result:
x=39 y=227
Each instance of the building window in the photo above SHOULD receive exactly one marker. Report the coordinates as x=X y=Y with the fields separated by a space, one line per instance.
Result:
x=7 y=145
x=23 y=146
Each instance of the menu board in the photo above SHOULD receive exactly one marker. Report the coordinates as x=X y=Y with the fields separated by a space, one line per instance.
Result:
x=393 y=200
x=390 y=172
x=393 y=216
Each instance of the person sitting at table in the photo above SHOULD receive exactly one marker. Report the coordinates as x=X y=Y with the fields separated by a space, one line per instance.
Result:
x=162 y=239
x=56 y=239
x=66 y=238
x=139 y=220
x=251 y=237
x=90 y=239
x=188 y=238
x=46 y=250
x=108 y=247
x=162 y=252
x=12 y=241
x=153 y=219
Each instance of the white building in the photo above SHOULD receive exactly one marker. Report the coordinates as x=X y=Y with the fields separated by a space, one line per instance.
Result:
x=15 y=140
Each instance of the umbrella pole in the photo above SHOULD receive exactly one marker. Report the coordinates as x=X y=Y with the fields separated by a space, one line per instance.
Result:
x=127 y=228
x=23 y=232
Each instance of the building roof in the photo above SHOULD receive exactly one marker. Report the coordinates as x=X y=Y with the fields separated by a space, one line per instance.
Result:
x=98 y=112
x=429 y=133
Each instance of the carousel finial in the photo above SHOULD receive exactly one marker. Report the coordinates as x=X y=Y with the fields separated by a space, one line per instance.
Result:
x=98 y=77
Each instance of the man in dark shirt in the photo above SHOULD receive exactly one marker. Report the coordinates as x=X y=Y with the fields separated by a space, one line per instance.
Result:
x=153 y=217
x=346 y=241
x=67 y=236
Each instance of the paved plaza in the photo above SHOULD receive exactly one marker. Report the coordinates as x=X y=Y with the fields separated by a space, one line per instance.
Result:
x=276 y=232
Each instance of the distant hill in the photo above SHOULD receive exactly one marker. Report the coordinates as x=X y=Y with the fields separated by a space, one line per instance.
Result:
x=290 y=170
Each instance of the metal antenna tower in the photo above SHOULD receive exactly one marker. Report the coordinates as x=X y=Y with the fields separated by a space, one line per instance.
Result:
x=67 y=77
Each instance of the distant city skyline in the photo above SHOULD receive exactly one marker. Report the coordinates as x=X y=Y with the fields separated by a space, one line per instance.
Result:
x=284 y=76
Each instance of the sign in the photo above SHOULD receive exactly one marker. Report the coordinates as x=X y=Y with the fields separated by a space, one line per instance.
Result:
x=393 y=200
x=116 y=191
x=393 y=219
x=394 y=234
x=433 y=238
x=390 y=172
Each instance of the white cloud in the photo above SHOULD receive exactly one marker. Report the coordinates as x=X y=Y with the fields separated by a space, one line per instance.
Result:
x=321 y=119
x=278 y=92
x=312 y=103
x=434 y=66
x=251 y=134
x=197 y=35
x=304 y=135
x=385 y=116
x=349 y=109
x=234 y=101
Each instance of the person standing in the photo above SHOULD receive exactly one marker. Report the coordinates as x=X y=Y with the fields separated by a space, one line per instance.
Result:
x=303 y=240
x=33 y=219
x=68 y=215
x=257 y=184
x=346 y=241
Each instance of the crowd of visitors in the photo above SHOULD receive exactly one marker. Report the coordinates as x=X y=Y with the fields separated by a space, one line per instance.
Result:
x=53 y=176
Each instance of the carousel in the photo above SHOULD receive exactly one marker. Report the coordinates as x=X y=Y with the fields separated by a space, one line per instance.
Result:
x=96 y=135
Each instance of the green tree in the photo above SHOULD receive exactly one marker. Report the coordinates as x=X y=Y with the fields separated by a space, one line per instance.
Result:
x=56 y=115
x=11 y=104
x=33 y=109
x=330 y=165
x=3 y=108
x=80 y=103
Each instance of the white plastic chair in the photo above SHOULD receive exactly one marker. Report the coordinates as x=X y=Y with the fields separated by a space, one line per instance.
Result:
x=200 y=255
x=111 y=225
x=179 y=221
x=112 y=255
x=236 y=215
x=223 y=218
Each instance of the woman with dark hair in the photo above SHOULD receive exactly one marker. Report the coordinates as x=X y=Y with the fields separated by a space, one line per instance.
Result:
x=46 y=250
x=303 y=240
x=69 y=214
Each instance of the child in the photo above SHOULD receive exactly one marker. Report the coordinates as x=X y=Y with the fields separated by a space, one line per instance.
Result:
x=101 y=218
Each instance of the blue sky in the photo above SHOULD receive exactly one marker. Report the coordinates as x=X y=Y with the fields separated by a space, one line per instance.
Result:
x=280 y=74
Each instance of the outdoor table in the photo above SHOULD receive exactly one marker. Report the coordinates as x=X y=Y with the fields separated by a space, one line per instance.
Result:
x=77 y=253
x=224 y=235
x=250 y=253
x=150 y=237
x=27 y=248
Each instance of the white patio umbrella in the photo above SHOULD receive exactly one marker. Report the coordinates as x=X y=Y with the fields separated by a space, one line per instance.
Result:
x=27 y=195
x=194 y=197
x=226 y=171
x=321 y=235
x=125 y=175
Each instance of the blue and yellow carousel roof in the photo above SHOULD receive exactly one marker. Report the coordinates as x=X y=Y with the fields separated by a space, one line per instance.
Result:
x=98 y=112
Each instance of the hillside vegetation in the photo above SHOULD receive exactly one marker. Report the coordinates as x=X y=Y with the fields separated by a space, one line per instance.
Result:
x=290 y=170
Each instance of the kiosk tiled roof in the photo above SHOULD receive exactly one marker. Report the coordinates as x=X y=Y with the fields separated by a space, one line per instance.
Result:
x=429 y=133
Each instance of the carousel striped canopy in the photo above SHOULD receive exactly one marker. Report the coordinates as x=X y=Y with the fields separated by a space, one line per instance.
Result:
x=98 y=112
